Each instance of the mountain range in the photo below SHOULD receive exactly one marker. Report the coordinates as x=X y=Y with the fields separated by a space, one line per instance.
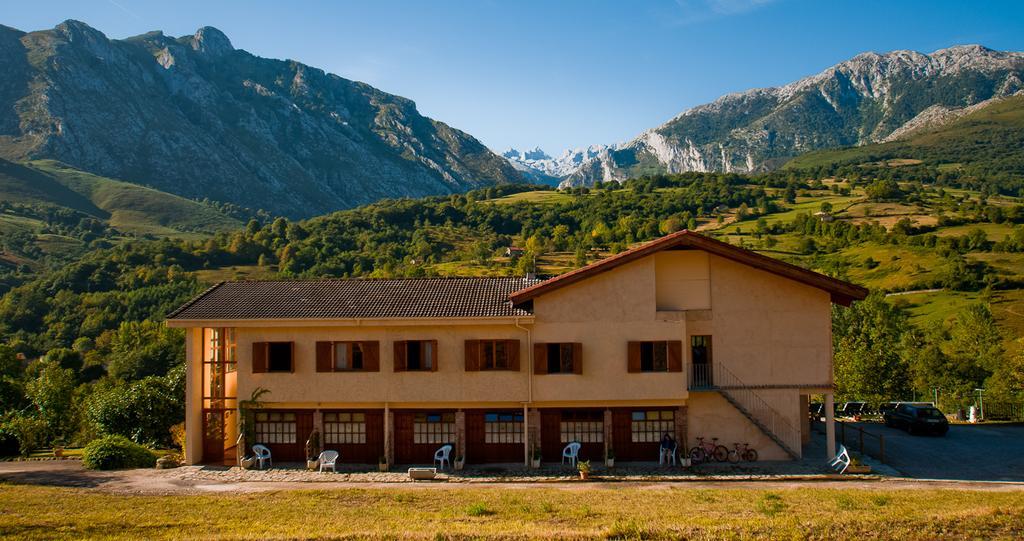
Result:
x=195 y=117
x=870 y=98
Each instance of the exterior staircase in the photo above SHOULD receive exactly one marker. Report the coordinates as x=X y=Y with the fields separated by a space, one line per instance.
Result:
x=749 y=402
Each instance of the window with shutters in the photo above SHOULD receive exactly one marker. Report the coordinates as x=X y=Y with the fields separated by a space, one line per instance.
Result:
x=560 y=358
x=650 y=426
x=344 y=428
x=582 y=426
x=433 y=428
x=279 y=357
x=274 y=427
x=503 y=427
x=419 y=355
x=348 y=356
x=494 y=355
x=653 y=356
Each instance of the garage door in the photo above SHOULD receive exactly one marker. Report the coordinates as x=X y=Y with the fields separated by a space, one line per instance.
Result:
x=418 y=435
x=559 y=427
x=357 y=435
x=494 y=436
x=285 y=433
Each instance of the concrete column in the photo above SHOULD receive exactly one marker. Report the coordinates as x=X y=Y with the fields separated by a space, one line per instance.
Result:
x=608 y=432
x=830 y=425
x=193 y=396
x=460 y=434
x=534 y=424
x=526 y=436
x=389 y=435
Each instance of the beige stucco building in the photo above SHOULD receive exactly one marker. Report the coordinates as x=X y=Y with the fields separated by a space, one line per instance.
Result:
x=685 y=335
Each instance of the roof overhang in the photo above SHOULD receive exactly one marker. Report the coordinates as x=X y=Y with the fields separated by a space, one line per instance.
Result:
x=840 y=291
x=364 y=322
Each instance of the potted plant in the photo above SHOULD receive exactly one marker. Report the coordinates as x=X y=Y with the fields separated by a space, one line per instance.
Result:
x=584 y=468
x=58 y=448
x=247 y=462
x=313 y=450
x=382 y=463
x=857 y=466
x=460 y=461
x=609 y=460
x=535 y=458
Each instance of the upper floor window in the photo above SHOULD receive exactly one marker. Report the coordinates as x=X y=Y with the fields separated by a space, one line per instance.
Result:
x=492 y=355
x=656 y=356
x=273 y=357
x=558 y=358
x=221 y=347
x=347 y=357
x=416 y=356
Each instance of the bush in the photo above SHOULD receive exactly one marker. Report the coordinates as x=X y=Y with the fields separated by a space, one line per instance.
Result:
x=28 y=431
x=116 y=452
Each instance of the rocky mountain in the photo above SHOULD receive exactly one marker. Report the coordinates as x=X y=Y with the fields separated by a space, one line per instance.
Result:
x=861 y=101
x=539 y=166
x=194 y=116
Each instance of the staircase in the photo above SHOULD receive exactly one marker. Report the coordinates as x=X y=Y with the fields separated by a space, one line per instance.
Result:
x=747 y=401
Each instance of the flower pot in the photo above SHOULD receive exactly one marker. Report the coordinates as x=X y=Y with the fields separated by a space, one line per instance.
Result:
x=247 y=463
x=58 y=452
x=535 y=463
x=459 y=464
x=610 y=462
x=584 y=476
x=858 y=468
x=312 y=464
x=382 y=466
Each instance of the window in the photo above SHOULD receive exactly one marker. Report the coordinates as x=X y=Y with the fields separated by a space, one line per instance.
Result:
x=653 y=356
x=560 y=358
x=279 y=357
x=433 y=428
x=503 y=428
x=650 y=426
x=275 y=427
x=492 y=355
x=222 y=348
x=582 y=426
x=700 y=349
x=344 y=428
x=348 y=356
x=416 y=355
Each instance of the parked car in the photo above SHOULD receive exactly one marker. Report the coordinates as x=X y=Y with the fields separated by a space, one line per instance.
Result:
x=816 y=410
x=917 y=419
x=886 y=407
x=851 y=409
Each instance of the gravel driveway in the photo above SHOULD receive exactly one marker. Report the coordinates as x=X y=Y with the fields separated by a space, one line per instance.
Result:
x=967 y=452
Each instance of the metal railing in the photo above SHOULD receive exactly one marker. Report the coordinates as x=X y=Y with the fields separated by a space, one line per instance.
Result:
x=714 y=376
x=866 y=442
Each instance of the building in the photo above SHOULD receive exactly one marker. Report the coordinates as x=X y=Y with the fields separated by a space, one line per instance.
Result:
x=683 y=335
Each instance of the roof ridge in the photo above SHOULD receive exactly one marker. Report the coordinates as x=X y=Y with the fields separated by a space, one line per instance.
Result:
x=373 y=279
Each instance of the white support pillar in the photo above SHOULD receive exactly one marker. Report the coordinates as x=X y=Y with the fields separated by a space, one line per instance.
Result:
x=830 y=425
x=526 y=436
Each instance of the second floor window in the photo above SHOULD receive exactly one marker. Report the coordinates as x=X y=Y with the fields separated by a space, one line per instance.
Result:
x=655 y=356
x=347 y=357
x=492 y=355
x=416 y=356
x=273 y=357
x=558 y=358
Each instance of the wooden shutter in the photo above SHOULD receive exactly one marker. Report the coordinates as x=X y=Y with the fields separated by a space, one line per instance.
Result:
x=259 y=357
x=324 y=356
x=400 y=361
x=433 y=355
x=675 y=355
x=633 y=357
x=577 y=358
x=291 y=353
x=371 y=356
x=472 y=355
x=512 y=349
x=540 y=358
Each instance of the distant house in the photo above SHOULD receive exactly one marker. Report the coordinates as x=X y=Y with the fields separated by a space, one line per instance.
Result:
x=685 y=335
x=513 y=251
x=824 y=216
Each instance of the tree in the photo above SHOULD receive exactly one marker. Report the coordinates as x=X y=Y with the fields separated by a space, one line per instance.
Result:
x=143 y=410
x=147 y=348
x=51 y=395
x=65 y=358
x=867 y=338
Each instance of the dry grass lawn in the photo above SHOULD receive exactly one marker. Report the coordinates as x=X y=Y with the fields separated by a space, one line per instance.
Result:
x=628 y=512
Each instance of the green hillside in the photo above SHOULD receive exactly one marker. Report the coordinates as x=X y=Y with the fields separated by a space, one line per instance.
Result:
x=987 y=143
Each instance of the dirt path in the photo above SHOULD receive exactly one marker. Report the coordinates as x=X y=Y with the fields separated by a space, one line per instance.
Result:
x=168 y=482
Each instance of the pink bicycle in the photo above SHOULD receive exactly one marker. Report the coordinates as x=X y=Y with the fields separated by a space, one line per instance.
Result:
x=705 y=451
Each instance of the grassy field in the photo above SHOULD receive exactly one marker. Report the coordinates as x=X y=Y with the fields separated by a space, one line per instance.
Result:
x=544 y=197
x=629 y=512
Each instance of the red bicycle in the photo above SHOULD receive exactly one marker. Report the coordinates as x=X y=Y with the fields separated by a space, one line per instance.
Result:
x=705 y=452
x=746 y=453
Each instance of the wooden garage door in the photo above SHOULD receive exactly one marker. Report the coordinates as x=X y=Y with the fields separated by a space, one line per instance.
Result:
x=494 y=436
x=285 y=432
x=558 y=427
x=418 y=435
x=637 y=432
x=357 y=435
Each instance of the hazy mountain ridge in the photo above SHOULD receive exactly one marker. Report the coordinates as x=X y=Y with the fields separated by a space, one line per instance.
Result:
x=860 y=101
x=195 y=117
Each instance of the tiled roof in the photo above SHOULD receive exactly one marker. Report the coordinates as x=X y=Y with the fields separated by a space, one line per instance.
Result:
x=356 y=299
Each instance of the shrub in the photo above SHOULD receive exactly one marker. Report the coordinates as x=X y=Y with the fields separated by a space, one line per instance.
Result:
x=28 y=431
x=116 y=452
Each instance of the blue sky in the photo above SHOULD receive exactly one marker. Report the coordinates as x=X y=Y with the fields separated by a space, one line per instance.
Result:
x=559 y=73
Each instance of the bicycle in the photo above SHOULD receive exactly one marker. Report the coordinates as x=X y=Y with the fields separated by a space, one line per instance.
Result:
x=704 y=451
x=746 y=453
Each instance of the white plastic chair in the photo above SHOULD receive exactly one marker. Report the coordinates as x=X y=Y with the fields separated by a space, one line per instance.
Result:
x=841 y=461
x=667 y=455
x=262 y=455
x=572 y=452
x=442 y=454
x=327 y=460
